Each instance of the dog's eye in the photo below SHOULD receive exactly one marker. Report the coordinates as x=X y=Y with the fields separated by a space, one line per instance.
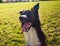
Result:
x=25 y=16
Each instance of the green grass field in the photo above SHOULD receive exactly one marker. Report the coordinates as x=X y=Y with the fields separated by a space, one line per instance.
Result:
x=10 y=26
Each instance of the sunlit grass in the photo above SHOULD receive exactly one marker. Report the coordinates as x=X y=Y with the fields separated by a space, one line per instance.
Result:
x=10 y=25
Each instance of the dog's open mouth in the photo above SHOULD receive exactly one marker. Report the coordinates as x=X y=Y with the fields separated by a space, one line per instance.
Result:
x=26 y=27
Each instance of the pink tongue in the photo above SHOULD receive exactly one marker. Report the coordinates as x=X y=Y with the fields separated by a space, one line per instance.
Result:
x=25 y=26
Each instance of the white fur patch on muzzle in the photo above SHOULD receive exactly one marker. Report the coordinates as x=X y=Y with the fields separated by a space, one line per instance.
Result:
x=25 y=16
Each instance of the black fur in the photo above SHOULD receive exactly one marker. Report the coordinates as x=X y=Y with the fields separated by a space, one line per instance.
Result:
x=37 y=25
x=34 y=19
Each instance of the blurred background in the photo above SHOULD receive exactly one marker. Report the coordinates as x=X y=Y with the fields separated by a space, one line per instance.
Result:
x=10 y=26
x=25 y=0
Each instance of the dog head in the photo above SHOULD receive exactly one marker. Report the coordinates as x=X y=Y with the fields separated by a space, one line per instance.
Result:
x=29 y=17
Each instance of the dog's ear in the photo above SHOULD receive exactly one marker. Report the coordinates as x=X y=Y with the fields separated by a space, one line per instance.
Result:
x=22 y=11
x=35 y=8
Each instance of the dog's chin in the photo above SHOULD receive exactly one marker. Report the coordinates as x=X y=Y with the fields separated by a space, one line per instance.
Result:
x=26 y=26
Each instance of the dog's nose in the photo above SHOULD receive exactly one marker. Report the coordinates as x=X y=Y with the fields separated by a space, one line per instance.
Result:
x=22 y=19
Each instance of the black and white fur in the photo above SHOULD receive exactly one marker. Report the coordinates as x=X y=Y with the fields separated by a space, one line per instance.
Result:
x=34 y=36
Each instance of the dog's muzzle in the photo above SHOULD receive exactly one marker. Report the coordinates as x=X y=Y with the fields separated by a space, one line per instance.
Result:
x=26 y=27
x=26 y=23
